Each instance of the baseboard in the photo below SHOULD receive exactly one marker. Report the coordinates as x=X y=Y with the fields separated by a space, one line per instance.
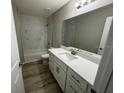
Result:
x=33 y=56
x=30 y=61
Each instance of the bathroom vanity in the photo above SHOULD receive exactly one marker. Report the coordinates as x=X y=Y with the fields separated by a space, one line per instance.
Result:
x=87 y=38
x=73 y=73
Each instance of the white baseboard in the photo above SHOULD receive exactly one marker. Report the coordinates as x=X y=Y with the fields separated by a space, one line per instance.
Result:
x=33 y=60
x=32 y=56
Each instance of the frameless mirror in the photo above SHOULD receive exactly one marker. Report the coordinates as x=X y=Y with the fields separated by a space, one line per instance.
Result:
x=88 y=31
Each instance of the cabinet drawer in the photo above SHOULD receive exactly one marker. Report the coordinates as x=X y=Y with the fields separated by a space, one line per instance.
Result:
x=63 y=66
x=77 y=79
x=72 y=87
x=60 y=75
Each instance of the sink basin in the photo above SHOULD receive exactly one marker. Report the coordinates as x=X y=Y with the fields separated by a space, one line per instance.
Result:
x=67 y=56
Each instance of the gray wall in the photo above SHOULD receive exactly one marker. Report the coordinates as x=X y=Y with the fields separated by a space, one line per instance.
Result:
x=85 y=31
x=69 y=11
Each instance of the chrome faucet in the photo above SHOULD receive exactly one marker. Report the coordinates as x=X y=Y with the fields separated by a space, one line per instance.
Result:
x=74 y=51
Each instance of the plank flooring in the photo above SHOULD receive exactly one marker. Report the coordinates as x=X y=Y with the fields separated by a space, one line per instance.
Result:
x=38 y=79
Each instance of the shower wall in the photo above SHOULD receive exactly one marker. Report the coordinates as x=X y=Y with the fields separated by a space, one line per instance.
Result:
x=34 y=36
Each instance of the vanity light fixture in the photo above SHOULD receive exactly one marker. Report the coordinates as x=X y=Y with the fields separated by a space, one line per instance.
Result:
x=78 y=4
x=47 y=9
x=81 y=3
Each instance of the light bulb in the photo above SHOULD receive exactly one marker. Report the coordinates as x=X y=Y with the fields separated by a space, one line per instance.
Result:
x=78 y=4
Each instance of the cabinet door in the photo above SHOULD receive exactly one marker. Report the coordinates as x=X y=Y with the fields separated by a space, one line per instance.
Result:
x=51 y=66
x=60 y=75
x=71 y=87
x=77 y=79
x=51 y=63
x=60 y=63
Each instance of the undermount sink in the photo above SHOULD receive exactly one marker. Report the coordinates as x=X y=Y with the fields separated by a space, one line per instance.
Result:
x=67 y=56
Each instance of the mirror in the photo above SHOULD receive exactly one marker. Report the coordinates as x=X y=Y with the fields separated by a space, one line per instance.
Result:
x=88 y=31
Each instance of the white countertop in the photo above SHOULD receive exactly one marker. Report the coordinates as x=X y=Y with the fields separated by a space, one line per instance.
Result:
x=83 y=67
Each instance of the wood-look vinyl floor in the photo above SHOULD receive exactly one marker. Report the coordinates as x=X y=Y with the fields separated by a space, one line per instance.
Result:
x=38 y=79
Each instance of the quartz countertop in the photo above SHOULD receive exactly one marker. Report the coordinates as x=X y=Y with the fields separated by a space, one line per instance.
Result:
x=83 y=67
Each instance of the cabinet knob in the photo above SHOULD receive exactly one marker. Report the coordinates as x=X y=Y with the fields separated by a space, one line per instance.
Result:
x=57 y=69
x=100 y=48
x=73 y=89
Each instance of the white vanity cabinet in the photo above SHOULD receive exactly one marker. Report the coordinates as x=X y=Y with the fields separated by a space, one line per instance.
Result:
x=58 y=69
x=77 y=79
x=75 y=84
x=60 y=75
x=71 y=87
x=51 y=63
x=67 y=78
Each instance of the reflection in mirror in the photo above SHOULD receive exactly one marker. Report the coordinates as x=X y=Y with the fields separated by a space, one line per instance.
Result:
x=88 y=31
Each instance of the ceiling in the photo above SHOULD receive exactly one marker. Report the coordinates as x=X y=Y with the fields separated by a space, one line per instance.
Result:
x=39 y=7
